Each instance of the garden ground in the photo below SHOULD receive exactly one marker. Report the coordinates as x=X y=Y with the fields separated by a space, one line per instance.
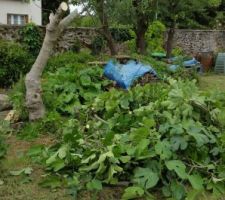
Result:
x=27 y=188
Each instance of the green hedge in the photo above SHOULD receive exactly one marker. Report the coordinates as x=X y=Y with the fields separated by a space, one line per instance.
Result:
x=14 y=61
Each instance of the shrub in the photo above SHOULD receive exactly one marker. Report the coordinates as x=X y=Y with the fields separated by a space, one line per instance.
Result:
x=14 y=61
x=30 y=37
x=68 y=59
x=17 y=97
x=155 y=36
x=76 y=46
x=121 y=34
x=97 y=45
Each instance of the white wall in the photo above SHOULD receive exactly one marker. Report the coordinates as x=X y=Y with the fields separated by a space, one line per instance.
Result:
x=33 y=10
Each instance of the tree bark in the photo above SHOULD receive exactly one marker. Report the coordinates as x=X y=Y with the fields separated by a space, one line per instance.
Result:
x=169 y=43
x=105 y=27
x=141 y=28
x=141 y=43
x=54 y=29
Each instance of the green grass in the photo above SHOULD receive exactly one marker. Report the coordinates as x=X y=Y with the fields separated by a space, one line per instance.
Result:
x=212 y=82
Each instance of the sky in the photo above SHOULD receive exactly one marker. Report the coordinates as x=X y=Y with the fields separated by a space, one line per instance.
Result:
x=72 y=8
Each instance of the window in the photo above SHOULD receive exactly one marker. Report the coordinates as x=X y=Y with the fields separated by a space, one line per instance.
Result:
x=14 y=19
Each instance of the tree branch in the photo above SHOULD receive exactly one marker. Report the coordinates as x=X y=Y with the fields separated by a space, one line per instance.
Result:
x=68 y=19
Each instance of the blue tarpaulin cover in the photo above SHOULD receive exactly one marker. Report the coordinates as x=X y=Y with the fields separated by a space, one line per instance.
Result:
x=186 y=64
x=126 y=74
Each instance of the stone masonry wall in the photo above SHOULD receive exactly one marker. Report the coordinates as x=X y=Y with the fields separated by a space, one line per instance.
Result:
x=85 y=35
x=194 y=41
x=191 y=41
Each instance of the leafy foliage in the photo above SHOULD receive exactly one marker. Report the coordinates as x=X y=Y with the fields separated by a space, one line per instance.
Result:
x=30 y=37
x=14 y=62
x=155 y=36
x=157 y=136
x=97 y=45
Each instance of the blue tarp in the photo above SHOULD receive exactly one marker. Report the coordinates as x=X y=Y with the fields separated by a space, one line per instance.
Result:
x=126 y=74
x=186 y=64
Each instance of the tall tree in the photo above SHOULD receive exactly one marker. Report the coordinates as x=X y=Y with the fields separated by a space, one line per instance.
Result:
x=54 y=29
x=138 y=14
x=100 y=8
x=181 y=13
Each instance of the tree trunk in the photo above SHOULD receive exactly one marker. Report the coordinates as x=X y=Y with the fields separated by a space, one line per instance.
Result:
x=56 y=26
x=105 y=27
x=141 y=44
x=141 y=28
x=169 y=43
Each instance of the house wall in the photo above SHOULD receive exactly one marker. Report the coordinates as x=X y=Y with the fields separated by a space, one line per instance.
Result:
x=33 y=10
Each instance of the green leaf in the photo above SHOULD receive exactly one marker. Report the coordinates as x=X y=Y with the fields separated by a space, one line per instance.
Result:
x=58 y=165
x=178 y=142
x=113 y=169
x=196 y=182
x=85 y=80
x=178 y=166
x=141 y=147
x=125 y=159
x=51 y=182
x=94 y=185
x=132 y=193
x=178 y=191
x=35 y=150
x=193 y=195
x=150 y=123
x=146 y=178
x=124 y=103
x=17 y=172
x=163 y=149
x=62 y=151
x=26 y=171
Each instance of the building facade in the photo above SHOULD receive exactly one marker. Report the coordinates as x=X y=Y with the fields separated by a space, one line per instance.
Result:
x=20 y=12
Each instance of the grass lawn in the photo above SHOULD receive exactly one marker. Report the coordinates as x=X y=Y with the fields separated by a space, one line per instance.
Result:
x=212 y=82
x=23 y=188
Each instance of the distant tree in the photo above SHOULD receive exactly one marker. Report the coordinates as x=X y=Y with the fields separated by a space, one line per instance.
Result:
x=181 y=13
x=138 y=14
x=100 y=8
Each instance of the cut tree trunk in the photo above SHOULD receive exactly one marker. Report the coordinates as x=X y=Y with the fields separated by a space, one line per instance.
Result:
x=169 y=43
x=54 y=29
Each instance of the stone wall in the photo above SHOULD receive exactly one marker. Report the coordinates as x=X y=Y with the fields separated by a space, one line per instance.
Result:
x=85 y=35
x=194 y=41
x=191 y=41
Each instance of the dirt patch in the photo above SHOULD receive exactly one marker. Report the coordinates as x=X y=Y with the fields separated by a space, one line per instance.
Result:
x=28 y=188
x=24 y=187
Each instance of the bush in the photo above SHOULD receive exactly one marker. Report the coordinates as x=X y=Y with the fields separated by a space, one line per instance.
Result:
x=121 y=34
x=68 y=59
x=155 y=36
x=17 y=97
x=97 y=45
x=14 y=61
x=30 y=37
